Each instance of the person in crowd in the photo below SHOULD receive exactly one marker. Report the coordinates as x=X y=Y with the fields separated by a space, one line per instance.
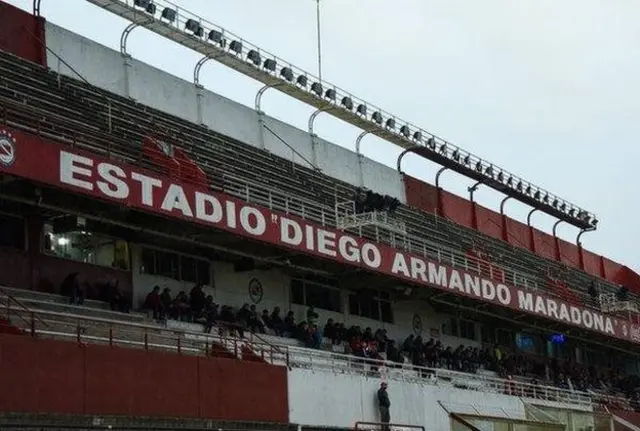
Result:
x=73 y=289
x=212 y=316
x=277 y=324
x=153 y=303
x=312 y=316
x=254 y=323
x=117 y=300
x=181 y=306
x=384 y=406
x=197 y=301
x=329 y=331
x=289 y=323
x=167 y=303
x=266 y=319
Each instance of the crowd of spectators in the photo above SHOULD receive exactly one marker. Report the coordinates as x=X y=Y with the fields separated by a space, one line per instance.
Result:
x=196 y=306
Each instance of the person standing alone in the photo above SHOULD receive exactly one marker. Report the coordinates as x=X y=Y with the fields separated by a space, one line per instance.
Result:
x=383 y=405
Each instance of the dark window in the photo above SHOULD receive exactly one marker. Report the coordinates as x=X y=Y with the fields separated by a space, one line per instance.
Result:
x=167 y=264
x=487 y=334
x=316 y=294
x=188 y=269
x=12 y=232
x=175 y=266
x=372 y=305
x=467 y=330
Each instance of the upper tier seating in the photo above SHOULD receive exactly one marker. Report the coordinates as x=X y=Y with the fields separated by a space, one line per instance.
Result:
x=71 y=110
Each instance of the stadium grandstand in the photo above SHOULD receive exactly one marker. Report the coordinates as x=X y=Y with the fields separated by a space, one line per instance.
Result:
x=200 y=265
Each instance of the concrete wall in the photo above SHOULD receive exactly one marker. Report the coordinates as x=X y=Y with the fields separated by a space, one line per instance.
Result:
x=327 y=399
x=108 y=69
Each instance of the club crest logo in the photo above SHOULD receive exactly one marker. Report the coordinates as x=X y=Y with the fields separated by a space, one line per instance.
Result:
x=7 y=149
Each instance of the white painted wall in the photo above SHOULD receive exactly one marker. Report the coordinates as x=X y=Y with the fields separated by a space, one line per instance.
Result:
x=109 y=70
x=323 y=398
x=326 y=399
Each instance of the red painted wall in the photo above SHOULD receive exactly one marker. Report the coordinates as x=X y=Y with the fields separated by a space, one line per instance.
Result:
x=457 y=209
x=47 y=376
x=421 y=195
x=22 y=34
x=592 y=263
x=518 y=234
x=488 y=222
x=569 y=253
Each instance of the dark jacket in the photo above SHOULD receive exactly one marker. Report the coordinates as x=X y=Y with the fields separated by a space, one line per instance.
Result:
x=383 y=398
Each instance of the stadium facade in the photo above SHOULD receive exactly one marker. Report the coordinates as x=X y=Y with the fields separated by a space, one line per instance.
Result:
x=130 y=177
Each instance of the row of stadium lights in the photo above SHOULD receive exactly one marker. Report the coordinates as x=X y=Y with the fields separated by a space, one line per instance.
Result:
x=270 y=65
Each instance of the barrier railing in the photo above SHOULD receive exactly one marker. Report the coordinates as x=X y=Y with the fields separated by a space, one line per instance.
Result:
x=25 y=314
x=86 y=329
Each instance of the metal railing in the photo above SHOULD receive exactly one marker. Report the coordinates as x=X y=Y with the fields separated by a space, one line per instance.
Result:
x=16 y=308
x=92 y=330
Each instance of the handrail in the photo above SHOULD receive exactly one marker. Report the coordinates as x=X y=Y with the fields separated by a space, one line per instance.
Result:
x=187 y=341
x=20 y=304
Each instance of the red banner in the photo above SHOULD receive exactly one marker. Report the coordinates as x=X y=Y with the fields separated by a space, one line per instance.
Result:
x=79 y=171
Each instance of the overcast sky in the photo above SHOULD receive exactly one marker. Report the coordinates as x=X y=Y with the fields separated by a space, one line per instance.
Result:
x=547 y=89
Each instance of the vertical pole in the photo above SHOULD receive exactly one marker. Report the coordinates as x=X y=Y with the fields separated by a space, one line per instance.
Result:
x=319 y=40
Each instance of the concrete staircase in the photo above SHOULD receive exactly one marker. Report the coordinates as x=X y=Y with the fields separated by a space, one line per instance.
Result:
x=42 y=301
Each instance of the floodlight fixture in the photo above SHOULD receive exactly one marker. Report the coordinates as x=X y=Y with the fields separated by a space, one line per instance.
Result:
x=147 y=5
x=362 y=110
x=236 y=47
x=254 y=57
x=287 y=73
x=456 y=155
x=417 y=136
x=390 y=124
x=270 y=65
x=316 y=87
x=489 y=171
x=194 y=27
x=376 y=117
x=302 y=81
x=216 y=37
x=404 y=130
x=330 y=94
x=347 y=103
x=168 y=14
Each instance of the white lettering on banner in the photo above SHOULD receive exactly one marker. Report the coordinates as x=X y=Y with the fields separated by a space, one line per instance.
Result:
x=252 y=221
x=147 y=185
x=113 y=185
x=73 y=166
x=208 y=208
x=329 y=243
x=551 y=308
x=119 y=183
